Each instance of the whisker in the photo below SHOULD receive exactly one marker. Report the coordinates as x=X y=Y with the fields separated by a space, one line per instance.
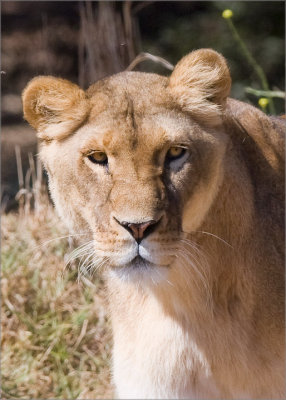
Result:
x=198 y=262
x=79 y=252
x=57 y=238
x=90 y=263
x=216 y=236
x=165 y=279
x=185 y=264
x=194 y=266
x=199 y=253
x=82 y=267
x=76 y=253
x=100 y=264
x=211 y=234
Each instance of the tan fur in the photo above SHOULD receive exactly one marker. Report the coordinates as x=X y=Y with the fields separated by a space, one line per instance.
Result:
x=203 y=317
x=201 y=83
x=54 y=107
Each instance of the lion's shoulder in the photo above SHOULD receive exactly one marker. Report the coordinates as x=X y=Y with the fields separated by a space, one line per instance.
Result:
x=259 y=143
x=266 y=133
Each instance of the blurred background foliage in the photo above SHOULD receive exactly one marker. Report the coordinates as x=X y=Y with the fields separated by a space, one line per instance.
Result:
x=85 y=41
x=49 y=38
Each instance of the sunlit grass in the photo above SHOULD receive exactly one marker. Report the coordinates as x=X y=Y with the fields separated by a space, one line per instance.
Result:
x=55 y=333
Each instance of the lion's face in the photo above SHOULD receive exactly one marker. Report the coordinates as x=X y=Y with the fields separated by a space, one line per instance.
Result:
x=129 y=163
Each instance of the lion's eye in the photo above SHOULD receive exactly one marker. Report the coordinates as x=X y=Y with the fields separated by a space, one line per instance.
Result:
x=175 y=152
x=98 y=157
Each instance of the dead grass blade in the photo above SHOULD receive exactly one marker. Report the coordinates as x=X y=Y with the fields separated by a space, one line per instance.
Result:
x=147 y=56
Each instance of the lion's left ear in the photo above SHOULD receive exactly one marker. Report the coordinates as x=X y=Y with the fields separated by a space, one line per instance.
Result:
x=200 y=84
x=54 y=107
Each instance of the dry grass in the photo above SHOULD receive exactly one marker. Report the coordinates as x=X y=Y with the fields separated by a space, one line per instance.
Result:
x=55 y=333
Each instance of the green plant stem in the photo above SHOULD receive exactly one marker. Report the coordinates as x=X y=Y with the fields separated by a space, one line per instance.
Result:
x=266 y=93
x=259 y=71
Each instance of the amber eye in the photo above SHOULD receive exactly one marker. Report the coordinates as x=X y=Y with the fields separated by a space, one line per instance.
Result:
x=98 y=157
x=175 y=152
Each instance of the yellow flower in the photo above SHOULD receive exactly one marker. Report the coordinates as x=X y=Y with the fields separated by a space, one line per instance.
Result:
x=263 y=102
x=227 y=14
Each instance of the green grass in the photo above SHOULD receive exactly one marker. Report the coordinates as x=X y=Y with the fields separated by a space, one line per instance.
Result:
x=56 y=338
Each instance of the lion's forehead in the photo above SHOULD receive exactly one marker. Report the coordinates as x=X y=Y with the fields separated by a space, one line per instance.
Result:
x=133 y=110
x=121 y=89
x=114 y=130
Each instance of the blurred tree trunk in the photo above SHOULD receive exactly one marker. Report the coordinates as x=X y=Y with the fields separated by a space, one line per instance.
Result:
x=109 y=39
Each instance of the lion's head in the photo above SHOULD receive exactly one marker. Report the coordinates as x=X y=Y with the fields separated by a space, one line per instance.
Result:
x=137 y=159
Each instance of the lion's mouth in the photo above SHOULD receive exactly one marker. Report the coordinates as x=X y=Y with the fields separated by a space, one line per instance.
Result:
x=140 y=263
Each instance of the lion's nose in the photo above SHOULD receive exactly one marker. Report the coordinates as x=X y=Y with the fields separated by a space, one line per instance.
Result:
x=139 y=231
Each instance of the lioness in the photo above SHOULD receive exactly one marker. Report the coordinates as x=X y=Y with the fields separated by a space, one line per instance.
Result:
x=181 y=191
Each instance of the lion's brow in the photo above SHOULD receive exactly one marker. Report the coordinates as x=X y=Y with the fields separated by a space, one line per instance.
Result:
x=130 y=117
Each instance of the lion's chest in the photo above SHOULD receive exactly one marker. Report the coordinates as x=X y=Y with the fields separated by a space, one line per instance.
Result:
x=155 y=358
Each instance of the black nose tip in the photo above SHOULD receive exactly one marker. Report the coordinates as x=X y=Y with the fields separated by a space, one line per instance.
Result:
x=139 y=231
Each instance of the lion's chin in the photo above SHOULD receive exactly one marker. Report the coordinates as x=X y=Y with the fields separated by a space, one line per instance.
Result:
x=141 y=272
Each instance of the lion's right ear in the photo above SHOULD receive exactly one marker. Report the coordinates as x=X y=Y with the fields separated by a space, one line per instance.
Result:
x=54 y=107
x=200 y=84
